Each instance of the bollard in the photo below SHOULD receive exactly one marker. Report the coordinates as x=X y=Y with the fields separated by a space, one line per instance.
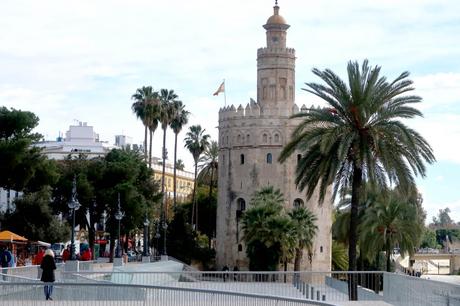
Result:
x=317 y=295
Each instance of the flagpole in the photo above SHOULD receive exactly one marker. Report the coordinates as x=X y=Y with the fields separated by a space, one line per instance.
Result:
x=225 y=94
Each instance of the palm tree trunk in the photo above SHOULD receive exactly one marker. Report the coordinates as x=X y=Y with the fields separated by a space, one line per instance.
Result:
x=212 y=181
x=163 y=201
x=145 y=142
x=164 y=162
x=194 y=197
x=353 y=240
x=150 y=149
x=388 y=258
x=175 y=161
x=298 y=258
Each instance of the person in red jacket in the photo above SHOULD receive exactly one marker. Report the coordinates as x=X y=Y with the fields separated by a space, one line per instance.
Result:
x=66 y=254
x=86 y=255
x=39 y=256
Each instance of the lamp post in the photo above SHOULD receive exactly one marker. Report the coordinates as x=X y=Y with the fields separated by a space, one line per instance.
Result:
x=157 y=237
x=73 y=205
x=146 y=236
x=118 y=216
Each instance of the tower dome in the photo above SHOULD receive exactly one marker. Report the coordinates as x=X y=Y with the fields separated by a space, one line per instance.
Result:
x=276 y=18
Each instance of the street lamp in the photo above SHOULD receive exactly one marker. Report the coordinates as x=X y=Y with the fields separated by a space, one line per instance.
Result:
x=157 y=237
x=73 y=205
x=119 y=215
x=146 y=236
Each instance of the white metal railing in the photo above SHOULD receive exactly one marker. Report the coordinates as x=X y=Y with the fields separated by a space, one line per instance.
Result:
x=392 y=288
x=113 y=294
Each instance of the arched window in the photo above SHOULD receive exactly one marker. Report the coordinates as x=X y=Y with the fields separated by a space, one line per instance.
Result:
x=299 y=156
x=269 y=158
x=264 y=138
x=242 y=159
x=238 y=139
x=240 y=247
x=298 y=203
x=248 y=138
x=321 y=249
x=277 y=138
x=241 y=204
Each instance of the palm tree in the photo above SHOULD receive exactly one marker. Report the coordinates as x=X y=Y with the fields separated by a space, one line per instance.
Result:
x=180 y=165
x=167 y=97
x=152 y=112
x=209 y=165
x=304 y=231
x=358 y=138
x=142 y=97
x=179 y=120
x=268 y=233
x=390 y=222
x=196 y=142
x=339 y=256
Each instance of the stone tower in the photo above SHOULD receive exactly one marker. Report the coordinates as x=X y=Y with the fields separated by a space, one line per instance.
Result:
x=250 y=141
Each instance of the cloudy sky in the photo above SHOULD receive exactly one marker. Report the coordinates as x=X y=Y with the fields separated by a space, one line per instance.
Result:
x=82 y=60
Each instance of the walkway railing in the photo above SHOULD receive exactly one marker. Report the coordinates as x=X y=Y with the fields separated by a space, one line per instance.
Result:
x=329 y=287
x=113 y=294
x=320 y=286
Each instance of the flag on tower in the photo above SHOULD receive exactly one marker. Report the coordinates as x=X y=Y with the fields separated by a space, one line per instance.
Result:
x=220 y=89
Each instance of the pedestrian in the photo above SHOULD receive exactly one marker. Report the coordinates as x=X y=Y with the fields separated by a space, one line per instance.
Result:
x=235 y=275
x=66 y=254
x=5 y=258
x=225 y=269
x=48 y=266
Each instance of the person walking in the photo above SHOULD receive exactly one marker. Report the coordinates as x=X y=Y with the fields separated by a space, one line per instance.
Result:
x=5 y=258
x=48 y=266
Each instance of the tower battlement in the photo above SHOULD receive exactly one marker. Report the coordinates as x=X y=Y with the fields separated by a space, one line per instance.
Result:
x=253 y=110
x=270 y=51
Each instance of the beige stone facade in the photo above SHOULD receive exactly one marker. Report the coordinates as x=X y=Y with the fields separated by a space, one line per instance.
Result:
x=250 y=141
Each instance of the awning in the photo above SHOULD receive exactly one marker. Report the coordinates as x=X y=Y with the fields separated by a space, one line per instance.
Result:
x=7 y=236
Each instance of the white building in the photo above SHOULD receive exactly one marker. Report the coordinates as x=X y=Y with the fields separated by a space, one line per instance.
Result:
x=80 y=139
x=251 y=139
x=7 y=198
x=123 y=141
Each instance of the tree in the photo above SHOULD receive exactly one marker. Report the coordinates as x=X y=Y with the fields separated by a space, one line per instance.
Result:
x=143 y=97
x=179 y=120
x=152 y=113
x=34 y=218
x=20 y=161
x=358 y=138
x=339 y=256
x=99 y=181
x=305 y=231
x=428 y=239
x=443 y=219
x=167 y=97
x=180 y=165
x=196 y=142
x=390 y=222
x=268 y=233
x=209 y=166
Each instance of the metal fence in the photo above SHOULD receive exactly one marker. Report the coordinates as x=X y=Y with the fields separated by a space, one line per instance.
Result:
x=320 y=286
x=395 y=289
x=113 y=294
